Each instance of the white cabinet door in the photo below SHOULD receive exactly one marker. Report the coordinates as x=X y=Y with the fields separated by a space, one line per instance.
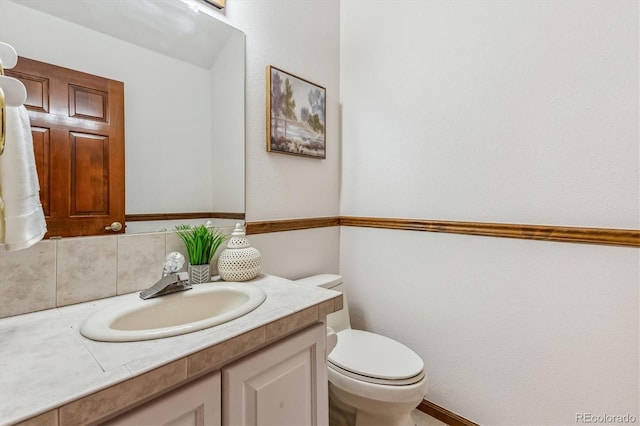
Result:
x=194 y=404
x=284 y=384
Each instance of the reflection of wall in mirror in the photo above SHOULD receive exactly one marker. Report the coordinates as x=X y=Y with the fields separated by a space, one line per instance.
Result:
x=170 y=115
x=227 y=90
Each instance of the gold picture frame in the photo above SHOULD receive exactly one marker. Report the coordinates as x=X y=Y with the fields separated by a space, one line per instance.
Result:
x=220 y=4
x=296 y=115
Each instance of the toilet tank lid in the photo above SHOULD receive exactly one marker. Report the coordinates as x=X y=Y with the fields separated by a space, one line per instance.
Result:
x=321 y=280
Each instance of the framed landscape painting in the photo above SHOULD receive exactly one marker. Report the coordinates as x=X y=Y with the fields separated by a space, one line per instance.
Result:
x=296 y=110
x=220 y=4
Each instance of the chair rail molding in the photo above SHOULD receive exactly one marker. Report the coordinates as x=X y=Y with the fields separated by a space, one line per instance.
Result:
x=565 y=234
x=606 y=236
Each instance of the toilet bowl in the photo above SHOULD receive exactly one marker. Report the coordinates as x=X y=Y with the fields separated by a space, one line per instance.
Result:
x=373 y=380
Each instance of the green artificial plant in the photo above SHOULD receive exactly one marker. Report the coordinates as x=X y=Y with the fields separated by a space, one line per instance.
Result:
x=201 y=242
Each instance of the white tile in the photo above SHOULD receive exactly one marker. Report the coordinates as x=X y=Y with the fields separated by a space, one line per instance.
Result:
x=28 y=281
x=140 y=261
x=86 y=269
x=60 y=368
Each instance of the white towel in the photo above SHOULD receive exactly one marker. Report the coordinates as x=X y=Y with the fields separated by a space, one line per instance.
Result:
x=22 y=222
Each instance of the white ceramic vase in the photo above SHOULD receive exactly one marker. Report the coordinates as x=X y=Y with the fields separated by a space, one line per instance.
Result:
x=239 y=261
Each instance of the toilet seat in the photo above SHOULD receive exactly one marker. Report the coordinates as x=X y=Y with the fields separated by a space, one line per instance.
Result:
x=376 y=391
x=377 y=380
x=373 y=358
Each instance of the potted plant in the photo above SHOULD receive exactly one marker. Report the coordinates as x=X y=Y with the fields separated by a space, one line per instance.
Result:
x=201 y=242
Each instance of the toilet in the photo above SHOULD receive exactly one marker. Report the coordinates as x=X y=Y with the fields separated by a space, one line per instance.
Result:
x=373 y=380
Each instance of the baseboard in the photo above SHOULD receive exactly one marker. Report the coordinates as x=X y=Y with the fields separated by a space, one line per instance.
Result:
x=444 y=415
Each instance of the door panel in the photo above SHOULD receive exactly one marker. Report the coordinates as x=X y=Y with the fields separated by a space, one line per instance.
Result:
x=194 y=404
x=37 y=91
x=284 y=384
x=87 y=103
x=77 y=122
x=89 y=174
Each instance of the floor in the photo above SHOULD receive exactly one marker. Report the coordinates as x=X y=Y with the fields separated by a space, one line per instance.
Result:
x=422 y=419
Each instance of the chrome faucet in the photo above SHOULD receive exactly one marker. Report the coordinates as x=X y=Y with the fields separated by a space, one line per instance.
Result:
x=171 y=283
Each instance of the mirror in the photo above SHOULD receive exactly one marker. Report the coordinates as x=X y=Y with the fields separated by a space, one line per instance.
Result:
x=183 y=72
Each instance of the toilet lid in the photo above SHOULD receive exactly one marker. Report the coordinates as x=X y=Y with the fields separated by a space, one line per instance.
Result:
x=372 y=355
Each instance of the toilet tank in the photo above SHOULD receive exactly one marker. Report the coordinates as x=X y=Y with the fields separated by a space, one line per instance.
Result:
x=338 y=320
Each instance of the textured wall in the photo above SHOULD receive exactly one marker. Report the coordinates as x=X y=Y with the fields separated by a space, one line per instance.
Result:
x=512 y=332
x=522 y=112
x=517 y=112
x=303 y=39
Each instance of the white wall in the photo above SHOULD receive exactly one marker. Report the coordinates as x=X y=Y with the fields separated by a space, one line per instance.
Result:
x=301 y=38
x=227 y=125
x=516 y=112
x=523 y=111
x=512 y=332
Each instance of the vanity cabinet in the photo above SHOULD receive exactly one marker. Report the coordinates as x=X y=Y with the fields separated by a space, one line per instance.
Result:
x=194 y=404
x=282 y=384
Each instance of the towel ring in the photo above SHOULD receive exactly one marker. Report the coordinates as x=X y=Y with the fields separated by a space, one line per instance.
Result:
x=12 y=91
x=12 y=94
x=9 y=55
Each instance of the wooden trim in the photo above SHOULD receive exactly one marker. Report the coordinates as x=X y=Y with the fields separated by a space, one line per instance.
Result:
x=444 y=415
x=565 y=234
x=291 y=224
x=177 y=216
x=606 y=236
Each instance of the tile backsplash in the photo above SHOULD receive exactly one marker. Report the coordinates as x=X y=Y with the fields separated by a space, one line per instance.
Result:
x=62 y=272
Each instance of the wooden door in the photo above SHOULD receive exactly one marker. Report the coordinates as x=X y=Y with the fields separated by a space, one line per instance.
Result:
x=77 y=123
x=284 y=384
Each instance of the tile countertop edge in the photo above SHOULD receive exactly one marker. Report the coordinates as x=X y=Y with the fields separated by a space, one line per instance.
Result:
x=311 y=305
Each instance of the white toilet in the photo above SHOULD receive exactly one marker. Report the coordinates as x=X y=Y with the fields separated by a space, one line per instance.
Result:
x=373 y=380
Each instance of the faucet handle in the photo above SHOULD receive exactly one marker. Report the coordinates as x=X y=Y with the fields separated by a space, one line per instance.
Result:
x=173 y=263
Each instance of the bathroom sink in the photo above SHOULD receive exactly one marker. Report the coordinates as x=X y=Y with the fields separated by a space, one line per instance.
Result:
x=202 y=307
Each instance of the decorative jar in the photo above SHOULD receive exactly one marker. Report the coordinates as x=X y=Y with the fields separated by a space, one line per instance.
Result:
x=239 y=261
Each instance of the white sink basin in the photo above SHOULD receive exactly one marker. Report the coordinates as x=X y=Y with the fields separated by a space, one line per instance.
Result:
x=202 y=307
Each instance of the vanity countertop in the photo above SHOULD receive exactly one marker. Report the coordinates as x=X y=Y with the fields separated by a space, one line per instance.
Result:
x=46 y=364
